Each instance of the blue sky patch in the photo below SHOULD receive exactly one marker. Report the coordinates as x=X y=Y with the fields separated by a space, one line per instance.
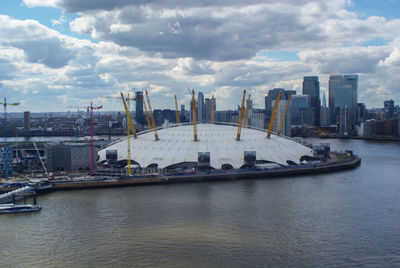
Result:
x=44 y=15
x=375 y=42
x=281 y=55
x=389 y=9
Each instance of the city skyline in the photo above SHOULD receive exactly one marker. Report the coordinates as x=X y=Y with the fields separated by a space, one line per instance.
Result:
x=56 y=54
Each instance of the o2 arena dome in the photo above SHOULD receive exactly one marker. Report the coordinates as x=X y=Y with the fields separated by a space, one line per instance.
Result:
x=216 y=148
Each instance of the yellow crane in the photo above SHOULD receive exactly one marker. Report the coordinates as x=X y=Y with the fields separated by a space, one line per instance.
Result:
x=246 y=115
x=240 y=119
x=146 y=113
x=212 y=109
x=178 y=121
x=284 y=114
x=152 y=117
x=128 y=116
x=272 y=120
x=128 y=135
x=194 y=119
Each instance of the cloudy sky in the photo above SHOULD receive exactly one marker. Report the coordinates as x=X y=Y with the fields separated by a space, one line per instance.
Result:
x=60 y=53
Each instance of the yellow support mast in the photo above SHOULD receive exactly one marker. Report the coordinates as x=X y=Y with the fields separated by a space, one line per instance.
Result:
x=240 y=119
x=128 y=116
x=146 y=113
x=152 y=117
x=212 y=109
x=246 y=115
x=178 y=121
x=194 y=119
x=128 y=134
x=272 y=120
x=284 y=114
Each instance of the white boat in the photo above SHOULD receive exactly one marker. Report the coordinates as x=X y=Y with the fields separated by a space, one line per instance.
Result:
x=13 y=208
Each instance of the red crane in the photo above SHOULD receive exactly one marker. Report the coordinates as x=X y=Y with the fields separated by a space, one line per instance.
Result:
x=91 y=107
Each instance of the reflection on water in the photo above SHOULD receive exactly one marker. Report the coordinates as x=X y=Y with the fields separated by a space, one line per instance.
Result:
x=342 y=219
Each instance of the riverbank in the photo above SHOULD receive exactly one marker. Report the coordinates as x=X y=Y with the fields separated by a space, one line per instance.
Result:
x=373 y=138
x=337 y=162
x=121 y=181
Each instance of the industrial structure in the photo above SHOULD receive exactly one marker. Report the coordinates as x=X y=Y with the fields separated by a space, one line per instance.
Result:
x=68 y=156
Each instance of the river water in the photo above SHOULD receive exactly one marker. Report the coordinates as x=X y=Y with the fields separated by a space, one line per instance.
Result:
x=349 y=218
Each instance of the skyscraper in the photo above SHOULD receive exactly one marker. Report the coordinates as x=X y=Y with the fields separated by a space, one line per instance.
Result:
x=27 y=121
x=361 y=113
x=207 y=109
x=324 y=112
x=139 y=114
x=271 y=97
x=278 y=117
x=334 y=79
x=311 y=88
x=389 y=106
x=200 y=107
x=343 y=120
x=300 y=111
x=352 y=80
x=343 y=92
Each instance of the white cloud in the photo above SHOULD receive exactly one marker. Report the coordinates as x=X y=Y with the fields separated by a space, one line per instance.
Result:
x=37 y=3
x=354 y=59
x=39 y=43
x=119 y=28
x=393 y=60
x=62 y=19
x=210 y=47
x=231 y=31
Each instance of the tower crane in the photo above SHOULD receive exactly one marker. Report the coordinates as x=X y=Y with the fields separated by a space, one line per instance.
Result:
x=5 y=104
x=91 y=108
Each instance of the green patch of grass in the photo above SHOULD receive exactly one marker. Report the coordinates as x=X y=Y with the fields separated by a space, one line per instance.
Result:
x=342 y=157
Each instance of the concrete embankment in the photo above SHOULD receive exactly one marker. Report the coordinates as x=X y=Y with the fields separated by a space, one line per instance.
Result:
x=229 y=175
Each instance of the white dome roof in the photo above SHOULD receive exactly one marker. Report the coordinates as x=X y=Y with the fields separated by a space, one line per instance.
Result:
x=176 y=145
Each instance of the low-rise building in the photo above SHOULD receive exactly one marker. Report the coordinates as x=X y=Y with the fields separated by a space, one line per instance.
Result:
x=68 y=156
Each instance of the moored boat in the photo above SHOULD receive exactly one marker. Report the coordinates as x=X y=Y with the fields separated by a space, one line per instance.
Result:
x=18 y=208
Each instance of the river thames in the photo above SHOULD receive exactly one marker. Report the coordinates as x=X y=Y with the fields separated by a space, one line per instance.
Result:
x=349 y=218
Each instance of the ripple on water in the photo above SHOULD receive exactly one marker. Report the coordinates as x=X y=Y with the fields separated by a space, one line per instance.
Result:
x=342 y=219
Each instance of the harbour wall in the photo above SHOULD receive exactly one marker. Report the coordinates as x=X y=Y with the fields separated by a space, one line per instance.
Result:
x=354 y=162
